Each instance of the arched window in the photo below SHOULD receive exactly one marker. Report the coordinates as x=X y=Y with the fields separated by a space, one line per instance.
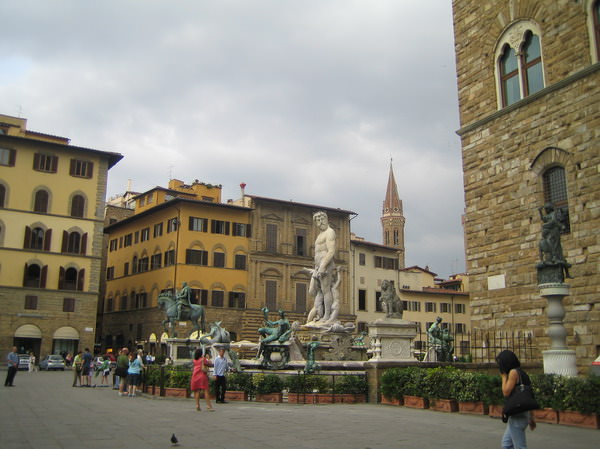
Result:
x=40 y=202
x=532 y=64
x=520 y=70
x=35 y=275
x=555 y=192
x=71 y=278
x=36 y=240
x=509 y=76
x=77 y=206
x=74 y=243
x=2 y=195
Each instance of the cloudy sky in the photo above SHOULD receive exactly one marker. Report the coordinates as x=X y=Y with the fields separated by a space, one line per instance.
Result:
x=301 y=100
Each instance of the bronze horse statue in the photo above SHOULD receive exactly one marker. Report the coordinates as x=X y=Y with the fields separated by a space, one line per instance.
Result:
x=167 y=302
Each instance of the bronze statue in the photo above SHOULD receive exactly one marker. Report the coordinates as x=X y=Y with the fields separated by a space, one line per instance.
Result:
x=183 y=299
x=279 y=330
x=311 y=364
x=441 y=341
x=551 y=252
x=191 y=312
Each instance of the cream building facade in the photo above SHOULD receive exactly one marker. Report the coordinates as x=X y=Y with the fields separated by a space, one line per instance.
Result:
x=528 y=77
x=52 y=201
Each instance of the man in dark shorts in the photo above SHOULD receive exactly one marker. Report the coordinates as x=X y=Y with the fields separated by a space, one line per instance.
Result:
x=87 y=368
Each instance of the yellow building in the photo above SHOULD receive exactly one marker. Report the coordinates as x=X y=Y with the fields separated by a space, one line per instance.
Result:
x=52 y=199
x=178 y=234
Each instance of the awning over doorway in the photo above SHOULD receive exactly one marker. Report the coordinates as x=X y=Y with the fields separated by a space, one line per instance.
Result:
x=66 y=333
x=28 y=331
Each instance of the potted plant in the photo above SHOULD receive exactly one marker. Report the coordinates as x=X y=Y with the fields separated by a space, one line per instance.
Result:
x=439 y=388
x=468 y=390
x=493 y=396
x=178 y=382
x=544 y=388
x=239 y=386
x=413 y=390
x=152 y=379
x=268 y=387
x=350 y=389
x=390 y=383
x=580 y=405
x=307 y=389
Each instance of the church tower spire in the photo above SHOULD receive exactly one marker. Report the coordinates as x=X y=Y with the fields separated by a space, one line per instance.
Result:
x=392 y=218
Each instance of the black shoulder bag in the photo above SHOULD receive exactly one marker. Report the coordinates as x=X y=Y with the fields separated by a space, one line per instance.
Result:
x=520 y=400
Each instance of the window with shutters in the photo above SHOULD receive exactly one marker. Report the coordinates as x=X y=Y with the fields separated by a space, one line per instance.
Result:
x=362 y=259
x=7 y=157
x=172 y=224
x=460 y=308
x=300 y=242
x=128 y=240
x=271 y=238
x=68 y=304
x=430 y=307
x=123 y=303
x=271 y=294
x=110 y=273
x=237 y=300
x=199 y=296
x=34 y=276
x=41 y=200
x=36 y=238
x=198 y=224
x=31 y=302
x=219 y=259
x=145 y=234
x=143 y=264
x=110 y=304
x=240 y=262
x=158 y=230
x=218 y=298
x=219 y=227
x=77 y=206
x=71 y=278
x=74 y=243
x=301 y=289
x=169 y=258
x=45 y=162
x=242 y=230
x=196 y=257
x=81 y=169
x=155 y=261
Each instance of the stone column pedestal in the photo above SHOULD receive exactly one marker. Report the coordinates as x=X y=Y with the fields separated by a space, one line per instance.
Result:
x=391 y=339
x=559 y=359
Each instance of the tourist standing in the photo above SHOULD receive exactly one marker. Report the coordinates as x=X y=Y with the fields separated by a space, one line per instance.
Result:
x=77 y=369
x=134 y=373
x=510 y=371
x=199 y=381
x=104 y=371
x=31 y=362
x=13 y=365
x=221 y=366
x=86 y=372
x=121 y=370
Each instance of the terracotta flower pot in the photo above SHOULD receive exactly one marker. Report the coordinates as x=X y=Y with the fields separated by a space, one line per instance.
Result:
x=301 y=398
x=416 y=402
x=349 y=398
x=176 y=392
x=236 y=395
x=269 y=397
x=546 y=415
x=390 y=401
x=495 y=410
x=443 y=405
x=577 y=419
x=473 y=408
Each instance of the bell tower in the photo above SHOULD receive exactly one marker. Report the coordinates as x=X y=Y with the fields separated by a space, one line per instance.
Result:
x=392 y=218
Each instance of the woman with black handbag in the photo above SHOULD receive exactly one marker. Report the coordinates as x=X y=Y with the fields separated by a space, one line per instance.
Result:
x=513 y=379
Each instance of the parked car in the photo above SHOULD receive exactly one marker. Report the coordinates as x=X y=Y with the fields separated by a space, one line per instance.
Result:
x=23 y=362
x=54 y=362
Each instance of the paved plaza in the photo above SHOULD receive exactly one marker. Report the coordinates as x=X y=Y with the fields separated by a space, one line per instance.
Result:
x=43 y=411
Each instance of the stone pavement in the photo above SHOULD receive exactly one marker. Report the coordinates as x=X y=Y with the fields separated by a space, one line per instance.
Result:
x=43 y=411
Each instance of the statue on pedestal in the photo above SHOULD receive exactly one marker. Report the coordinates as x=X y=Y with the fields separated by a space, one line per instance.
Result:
x=325 y=277
x=390 y=302
x=279 y=330
x=440 y=341
x=552 y=267
x=180 y=308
